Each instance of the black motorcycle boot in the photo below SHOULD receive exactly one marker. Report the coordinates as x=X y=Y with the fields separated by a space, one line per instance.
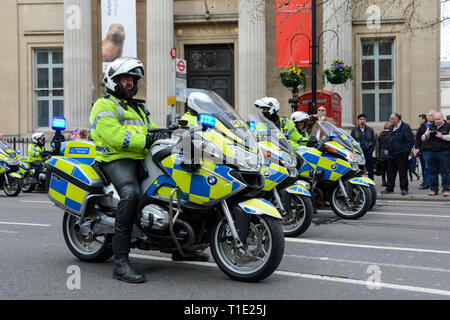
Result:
x=191 y=256
x=123 y=270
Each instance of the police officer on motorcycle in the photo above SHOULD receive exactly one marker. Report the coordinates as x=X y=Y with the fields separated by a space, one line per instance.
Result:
x=37 y=153
x=270 y=107
x=120 y=127
x=299 y=118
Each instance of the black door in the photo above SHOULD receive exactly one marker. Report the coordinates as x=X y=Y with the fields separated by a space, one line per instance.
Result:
x=211 y=67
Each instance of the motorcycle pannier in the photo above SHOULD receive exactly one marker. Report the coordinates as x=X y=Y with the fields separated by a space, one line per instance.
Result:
x=70 y=182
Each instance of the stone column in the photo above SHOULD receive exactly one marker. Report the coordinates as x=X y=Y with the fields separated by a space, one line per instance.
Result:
x=78 y=84
x=337 y=16
x=252 y=54
x=160 y=39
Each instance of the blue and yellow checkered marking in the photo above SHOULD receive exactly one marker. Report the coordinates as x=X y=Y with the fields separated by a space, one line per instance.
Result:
x=76 y=169
x=333 y=167
x=194 y=186
x=298 y=189
x=66 y=193
x=362 y=181
x=273 y=175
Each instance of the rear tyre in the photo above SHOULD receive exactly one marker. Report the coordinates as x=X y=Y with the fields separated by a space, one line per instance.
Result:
x=95 y=249
x=357 y=206
x=262 y=252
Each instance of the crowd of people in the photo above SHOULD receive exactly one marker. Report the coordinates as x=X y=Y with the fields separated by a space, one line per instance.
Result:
x=399 y=150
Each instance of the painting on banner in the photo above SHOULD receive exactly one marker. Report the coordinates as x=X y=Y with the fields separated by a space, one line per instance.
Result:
x=118 y=30
x=293 y=28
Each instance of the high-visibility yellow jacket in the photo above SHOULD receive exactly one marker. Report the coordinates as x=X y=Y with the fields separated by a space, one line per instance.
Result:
x=35 y=152
x=290 y=132
x=190 y=118
x=119 y=132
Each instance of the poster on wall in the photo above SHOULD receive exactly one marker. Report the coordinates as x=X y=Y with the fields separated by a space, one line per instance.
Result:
x=293 y=28
x=118 y=30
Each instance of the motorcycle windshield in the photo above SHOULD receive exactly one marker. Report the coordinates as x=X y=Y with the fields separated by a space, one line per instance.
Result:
x=266 y=131
x=7 y=150
x=329 y=130
x=226 y=120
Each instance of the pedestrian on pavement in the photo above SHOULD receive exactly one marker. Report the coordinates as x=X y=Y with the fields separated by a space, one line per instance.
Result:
x=380 y=153
x=426 y=153
x=418 y=145
x=365 y=135
x=399 y=145
x=439 y=148
x=322 y=116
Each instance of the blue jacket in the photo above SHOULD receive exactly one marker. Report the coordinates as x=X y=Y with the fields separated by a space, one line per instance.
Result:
x=400 y=141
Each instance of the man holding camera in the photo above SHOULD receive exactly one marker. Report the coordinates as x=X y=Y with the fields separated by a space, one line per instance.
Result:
x=438 y=143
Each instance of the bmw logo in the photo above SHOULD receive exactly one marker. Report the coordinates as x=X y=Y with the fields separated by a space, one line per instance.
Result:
x=267 y=173
x=333 y=166
x=212 y=180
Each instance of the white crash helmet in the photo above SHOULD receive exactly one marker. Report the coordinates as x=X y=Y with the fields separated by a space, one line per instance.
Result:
x=36 y=136
x=123 y=65
x=268 y=102
x=298 y=116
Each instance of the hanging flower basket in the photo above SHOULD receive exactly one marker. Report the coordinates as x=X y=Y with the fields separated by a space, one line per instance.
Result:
x=293 y=78
x=339 y=73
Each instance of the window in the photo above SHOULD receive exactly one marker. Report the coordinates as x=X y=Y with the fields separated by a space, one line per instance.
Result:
x=48 y=86
x=377 y=79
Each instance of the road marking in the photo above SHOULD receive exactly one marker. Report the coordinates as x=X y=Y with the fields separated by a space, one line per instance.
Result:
x=316 y=277
x=7 y=231
x=26 y=224
x=402 y=266
x=397 y=214
x=363 y=246
x=36 y=201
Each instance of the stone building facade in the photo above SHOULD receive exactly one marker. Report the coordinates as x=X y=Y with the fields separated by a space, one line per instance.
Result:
x=51 y=60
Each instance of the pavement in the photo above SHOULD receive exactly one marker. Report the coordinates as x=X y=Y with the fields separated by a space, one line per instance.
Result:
x=414 y=193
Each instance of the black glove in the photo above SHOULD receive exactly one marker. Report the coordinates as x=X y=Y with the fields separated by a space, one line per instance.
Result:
x=152 y=137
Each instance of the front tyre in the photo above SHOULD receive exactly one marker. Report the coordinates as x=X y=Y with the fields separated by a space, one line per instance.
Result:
x=299 y=216
x=88 y=249
x=13 y=188
x=357 y=206
x=28 y=185
x=261 y=254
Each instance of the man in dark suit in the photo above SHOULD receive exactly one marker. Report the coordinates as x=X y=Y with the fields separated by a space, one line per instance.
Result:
x=400 y=143
x=366 y=138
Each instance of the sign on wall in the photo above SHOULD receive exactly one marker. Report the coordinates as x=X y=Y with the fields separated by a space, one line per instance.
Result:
x=293 y=28
x=118 y=30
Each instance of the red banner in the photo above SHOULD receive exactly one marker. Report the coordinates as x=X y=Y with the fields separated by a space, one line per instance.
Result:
x=293 y=29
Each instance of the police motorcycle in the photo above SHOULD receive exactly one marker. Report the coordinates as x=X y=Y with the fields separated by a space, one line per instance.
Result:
x=281 y=185
x=11 y=170
x=184 y=205
x=332 y=165
x=29 y=182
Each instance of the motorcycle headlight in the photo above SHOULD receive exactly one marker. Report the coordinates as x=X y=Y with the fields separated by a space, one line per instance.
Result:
x=288 y=160
x=350 y=156
x=12 y=162
x=360 y=159
x=245 y=160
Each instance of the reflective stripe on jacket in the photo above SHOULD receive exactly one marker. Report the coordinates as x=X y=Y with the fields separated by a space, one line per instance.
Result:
x=290 y=132
x=119 y=132
x=35 y=152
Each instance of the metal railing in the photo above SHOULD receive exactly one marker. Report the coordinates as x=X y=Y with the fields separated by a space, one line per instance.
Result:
x=19 y=143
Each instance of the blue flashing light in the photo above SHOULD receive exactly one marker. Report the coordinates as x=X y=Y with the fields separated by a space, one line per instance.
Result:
x=59 y=124
x=252 y=125
x=333 y=135
x=207 y=120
